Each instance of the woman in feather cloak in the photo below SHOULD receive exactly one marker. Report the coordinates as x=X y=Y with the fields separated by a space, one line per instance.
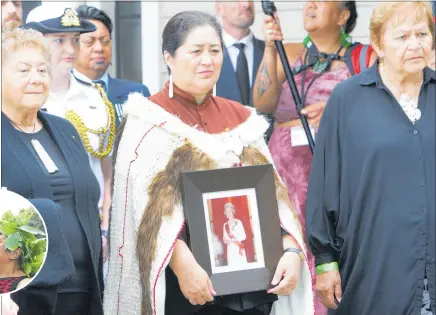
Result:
x=184 y=127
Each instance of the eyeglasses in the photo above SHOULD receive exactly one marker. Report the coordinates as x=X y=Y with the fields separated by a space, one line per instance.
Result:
x=89 y=42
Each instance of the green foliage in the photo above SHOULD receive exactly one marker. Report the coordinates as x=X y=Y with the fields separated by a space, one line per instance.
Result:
x=25 y=231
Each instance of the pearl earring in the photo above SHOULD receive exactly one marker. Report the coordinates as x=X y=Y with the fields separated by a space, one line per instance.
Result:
x=171 y=88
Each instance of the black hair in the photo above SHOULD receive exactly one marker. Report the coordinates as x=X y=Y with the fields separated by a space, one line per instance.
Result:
x=351 y=23
x=87 y=12
x=180 y=25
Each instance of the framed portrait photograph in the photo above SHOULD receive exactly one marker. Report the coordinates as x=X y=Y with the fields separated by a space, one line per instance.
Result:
x=234 y=226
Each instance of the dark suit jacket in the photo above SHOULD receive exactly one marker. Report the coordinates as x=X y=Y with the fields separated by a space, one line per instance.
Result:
x=22 y=176
x=119 y=90
x=227 y=85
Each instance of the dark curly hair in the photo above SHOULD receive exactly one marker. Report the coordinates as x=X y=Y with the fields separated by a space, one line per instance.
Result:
x=351 y=23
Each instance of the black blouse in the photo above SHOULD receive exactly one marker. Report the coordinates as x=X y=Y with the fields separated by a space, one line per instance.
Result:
x=371 y=196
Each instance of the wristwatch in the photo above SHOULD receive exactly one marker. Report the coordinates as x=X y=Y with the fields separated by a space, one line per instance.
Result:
x=299 y=252
x=104 y=233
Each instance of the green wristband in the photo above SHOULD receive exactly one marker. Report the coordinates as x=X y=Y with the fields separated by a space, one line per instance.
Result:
x=327 y=267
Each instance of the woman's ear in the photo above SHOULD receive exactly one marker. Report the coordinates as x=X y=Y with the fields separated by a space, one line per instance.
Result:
x=343 y=18
x=168 y=59
x=15 y=254
x=377 y=49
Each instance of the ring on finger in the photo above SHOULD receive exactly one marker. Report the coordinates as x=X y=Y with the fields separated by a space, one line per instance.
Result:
x=269 y=32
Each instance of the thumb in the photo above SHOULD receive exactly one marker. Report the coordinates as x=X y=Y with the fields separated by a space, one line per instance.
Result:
x=211 y=290
x=278 y=275
x=338 y=291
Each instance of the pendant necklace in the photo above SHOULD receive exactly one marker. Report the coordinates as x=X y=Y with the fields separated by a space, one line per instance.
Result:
x=40 y=151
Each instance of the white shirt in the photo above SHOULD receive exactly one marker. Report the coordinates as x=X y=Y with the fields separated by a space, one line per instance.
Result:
x=229 y=41
x=87 y=103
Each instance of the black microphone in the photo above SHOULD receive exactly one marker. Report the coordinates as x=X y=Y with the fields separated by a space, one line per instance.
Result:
x=269 y=8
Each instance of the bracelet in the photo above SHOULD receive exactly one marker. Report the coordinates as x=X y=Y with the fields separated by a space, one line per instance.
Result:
x=104 y=233
x=299 y=252
x=327 y=267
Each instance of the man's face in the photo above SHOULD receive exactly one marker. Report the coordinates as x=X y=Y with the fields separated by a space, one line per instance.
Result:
x=12 y=14
x=95 y=49
x=238 y=14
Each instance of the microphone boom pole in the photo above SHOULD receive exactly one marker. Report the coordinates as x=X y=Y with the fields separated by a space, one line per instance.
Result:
x=269 y=9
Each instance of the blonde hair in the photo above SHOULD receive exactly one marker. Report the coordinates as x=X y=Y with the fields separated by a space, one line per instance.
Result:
x=17 y=39
x=383 y=12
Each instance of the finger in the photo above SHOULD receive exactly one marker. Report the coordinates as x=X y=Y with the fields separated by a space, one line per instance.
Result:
x=211 y=290
x=338 y=292
x=285 y=287
x=278 y=275
x=268 y=19
x=313 y=114
x=200 y=300
x=193 y=301
x=328 y=300
x=276 y=18
x=206 y=294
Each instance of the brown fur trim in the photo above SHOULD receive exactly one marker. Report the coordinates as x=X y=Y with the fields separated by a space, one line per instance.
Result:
x=252 y=156
x=164 y=194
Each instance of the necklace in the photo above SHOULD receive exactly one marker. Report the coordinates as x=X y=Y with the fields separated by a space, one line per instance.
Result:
x=320 y=61
x=407 y=104
x=45 y=158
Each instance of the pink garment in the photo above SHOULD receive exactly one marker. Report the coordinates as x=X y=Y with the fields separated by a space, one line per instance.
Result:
x=319 y=91
x=293 y=163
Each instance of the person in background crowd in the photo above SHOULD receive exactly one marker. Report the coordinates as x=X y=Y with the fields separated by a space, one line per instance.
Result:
x=371 y=199
x=44 y=158
x=328 y=24
x=92 y=63
x=12 y=14
x=75 y=97
x=242 y=52
x=184 y=127
x=12 y=276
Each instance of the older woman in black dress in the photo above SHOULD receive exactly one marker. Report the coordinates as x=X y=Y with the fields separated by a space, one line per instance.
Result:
x=43 y=157
x=371 y=201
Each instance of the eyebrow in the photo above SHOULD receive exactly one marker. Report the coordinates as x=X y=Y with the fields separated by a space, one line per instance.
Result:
x=213 y=45
x=29 y=64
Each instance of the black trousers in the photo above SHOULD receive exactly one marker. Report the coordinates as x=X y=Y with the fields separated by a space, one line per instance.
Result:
x=74 y=303
x=217 y=310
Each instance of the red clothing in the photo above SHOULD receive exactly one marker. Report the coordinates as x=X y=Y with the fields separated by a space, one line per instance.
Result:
x=214 y=115
x=10 y=284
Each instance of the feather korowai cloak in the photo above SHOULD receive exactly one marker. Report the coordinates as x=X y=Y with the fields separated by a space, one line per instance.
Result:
x=147 y=213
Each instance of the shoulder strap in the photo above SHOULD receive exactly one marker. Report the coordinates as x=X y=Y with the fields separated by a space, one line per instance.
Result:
x=357 y=57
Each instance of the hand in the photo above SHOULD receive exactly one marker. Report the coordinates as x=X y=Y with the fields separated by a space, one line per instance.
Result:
x=105 y=245
x=8 y=306
x=196 y=285
x=328 y=288
x=289 y=269
x=314 y=113
x=271 y=30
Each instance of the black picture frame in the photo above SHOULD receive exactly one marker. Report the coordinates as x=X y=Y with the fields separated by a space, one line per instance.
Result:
x=261 y=178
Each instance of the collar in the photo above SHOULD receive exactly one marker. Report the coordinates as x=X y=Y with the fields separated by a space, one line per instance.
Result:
x=74 y=89
x=79 y=75
x=229 y=40
x=186 y=99
x=372 y=75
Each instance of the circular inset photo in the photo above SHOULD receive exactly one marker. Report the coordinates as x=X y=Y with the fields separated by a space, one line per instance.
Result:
x=23 y=242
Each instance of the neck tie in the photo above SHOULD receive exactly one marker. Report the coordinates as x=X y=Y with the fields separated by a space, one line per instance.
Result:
x=242 y=74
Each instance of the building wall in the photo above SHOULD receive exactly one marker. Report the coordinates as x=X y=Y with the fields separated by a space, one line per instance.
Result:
x=290 y=14
x=155 y=14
